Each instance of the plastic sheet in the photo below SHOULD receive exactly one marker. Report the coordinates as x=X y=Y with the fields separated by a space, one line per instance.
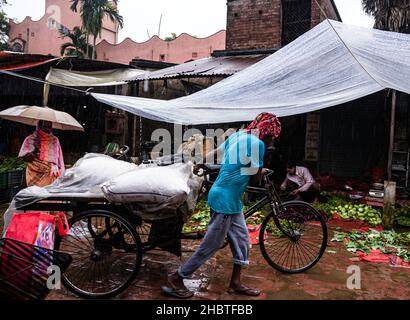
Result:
x=92 y=79
x=83 y=180
x=176 y=186
x=331 y=64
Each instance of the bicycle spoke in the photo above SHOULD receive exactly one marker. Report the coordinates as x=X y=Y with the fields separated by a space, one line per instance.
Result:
x=304 y=244
x=105 y=254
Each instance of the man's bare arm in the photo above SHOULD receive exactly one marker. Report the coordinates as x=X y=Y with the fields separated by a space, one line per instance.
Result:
x=256 y=179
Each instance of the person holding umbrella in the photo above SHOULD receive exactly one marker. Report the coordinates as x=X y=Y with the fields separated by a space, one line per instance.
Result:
x=43 y=154
x=42 y=150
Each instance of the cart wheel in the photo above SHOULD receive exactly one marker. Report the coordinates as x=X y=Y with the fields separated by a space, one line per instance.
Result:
x=106 y=260
x=303 y=244
x=144 y=230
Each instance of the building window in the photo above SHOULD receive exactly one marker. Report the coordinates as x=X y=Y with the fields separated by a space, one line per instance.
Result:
x=162 y=57
x=17 y=47
x=296 y=19
x=32 y=34
x=51 y=23
x=194 y=54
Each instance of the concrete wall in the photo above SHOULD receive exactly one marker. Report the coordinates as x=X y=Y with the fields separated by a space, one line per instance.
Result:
x=180 y=50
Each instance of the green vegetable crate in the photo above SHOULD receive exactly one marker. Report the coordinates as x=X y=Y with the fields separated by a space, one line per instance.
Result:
x=4 y=180
x=10 y=183
x=15 y=178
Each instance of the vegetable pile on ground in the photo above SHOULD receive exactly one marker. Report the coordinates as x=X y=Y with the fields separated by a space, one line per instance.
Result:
x=199 y=221
x=376 y=242
x=9 y=164
x=402 y=216
x=348 y=210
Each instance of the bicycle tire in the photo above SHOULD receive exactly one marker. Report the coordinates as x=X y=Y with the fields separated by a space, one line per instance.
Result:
x=83 y=293
x=263 y=238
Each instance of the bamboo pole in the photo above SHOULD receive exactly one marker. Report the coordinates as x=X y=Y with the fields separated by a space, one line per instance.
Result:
x=391 y=140
x=390 y=186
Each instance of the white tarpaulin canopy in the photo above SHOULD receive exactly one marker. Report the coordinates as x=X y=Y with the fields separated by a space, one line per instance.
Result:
x=96 y=78
x=331 y=64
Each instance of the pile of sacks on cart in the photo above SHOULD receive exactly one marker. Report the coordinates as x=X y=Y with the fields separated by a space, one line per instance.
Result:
x=156 y=189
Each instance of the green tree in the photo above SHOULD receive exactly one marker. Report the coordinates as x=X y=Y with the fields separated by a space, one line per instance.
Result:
x=172 y=37
x=78 y=43
x=93 y=13
x=4 y=27
x=389 y=15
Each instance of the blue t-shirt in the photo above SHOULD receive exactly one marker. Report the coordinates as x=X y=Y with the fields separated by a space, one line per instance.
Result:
x=242 y=158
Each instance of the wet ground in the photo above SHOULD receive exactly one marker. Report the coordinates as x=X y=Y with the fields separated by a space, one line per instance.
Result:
x=327 y=280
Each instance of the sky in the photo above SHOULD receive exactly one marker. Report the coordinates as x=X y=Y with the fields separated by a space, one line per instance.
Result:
x=200 y=18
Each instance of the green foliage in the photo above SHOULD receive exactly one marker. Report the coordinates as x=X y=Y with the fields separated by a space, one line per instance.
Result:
x=172 y=37
x=4 y=27
x=77 y=45
x=390 y=15
x=9 y=164
x=338 y=236
x=388 y=242
x=402 y=216
x=200 y=220
x=93 y=13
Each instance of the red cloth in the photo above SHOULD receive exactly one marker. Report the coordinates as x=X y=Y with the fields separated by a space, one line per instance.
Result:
x=378 y=256
x=254 y=234
x=266 y=124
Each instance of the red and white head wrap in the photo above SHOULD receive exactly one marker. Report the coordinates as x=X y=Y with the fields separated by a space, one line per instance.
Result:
x=267 y=124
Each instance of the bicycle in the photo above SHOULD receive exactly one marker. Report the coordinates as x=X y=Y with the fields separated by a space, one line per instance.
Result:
x=293 y=235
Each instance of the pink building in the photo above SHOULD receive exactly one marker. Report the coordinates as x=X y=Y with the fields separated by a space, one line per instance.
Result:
x=184 y=48
x=43 y=37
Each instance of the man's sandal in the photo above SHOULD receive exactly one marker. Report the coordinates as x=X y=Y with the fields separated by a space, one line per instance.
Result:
x=177 y=293
x=243 y=290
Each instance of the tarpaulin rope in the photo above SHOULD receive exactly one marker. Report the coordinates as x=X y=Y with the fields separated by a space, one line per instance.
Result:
x=44 y=81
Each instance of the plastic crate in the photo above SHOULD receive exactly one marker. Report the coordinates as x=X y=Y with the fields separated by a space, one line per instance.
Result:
x=16 y=178
x=4 y=180
x=4 y=196
x=12 y=192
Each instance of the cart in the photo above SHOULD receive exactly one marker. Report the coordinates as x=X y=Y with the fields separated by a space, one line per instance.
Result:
x=25 y=270
x=107 y=240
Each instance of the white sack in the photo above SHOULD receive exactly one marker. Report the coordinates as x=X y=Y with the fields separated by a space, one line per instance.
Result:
x=161 y=186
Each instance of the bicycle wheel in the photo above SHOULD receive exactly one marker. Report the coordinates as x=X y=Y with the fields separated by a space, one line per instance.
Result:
x=293 y=240
x=105 y=262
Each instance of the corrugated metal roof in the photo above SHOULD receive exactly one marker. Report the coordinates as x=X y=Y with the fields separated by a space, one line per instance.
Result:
x=15 y=61
x=212 y=66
